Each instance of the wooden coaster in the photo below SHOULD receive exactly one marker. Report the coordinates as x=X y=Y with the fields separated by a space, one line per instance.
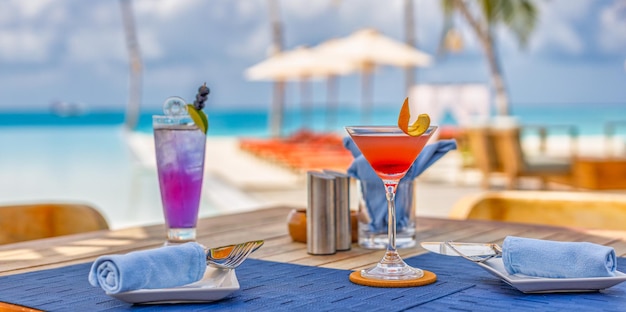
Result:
x=428 y=278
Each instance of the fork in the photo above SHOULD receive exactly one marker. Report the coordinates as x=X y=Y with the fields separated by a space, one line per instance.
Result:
x=237 y=255
x=478 y=258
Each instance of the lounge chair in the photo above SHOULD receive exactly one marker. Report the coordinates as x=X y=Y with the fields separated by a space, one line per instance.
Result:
x=573 y=209
x=517 y=164
x=34 y=221
x=482 y=151
x=496 y=149
x=302 y=151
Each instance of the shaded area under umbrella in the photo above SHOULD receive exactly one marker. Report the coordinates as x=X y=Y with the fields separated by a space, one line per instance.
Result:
x=367 y=48
x=301 y=64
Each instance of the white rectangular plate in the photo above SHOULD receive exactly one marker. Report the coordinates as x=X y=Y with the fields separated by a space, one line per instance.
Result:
x=215 y=285
x=531 y=284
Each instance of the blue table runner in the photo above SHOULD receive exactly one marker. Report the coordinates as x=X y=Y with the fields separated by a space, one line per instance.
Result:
x=267 y=285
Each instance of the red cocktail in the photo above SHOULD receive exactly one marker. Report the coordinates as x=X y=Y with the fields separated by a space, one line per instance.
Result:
x=391 y=153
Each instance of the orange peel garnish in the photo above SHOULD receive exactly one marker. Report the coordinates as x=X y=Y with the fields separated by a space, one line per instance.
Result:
x=418 y=127
x=404 y=117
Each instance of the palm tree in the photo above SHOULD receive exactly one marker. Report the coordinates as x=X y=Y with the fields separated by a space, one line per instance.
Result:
x=519 y=16
x=409 y=39
x=135 y=65
x=278 y=98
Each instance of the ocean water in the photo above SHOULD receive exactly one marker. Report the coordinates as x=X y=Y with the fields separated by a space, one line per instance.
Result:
x=589 y=119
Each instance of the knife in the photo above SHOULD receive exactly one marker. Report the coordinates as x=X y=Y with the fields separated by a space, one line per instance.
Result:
x=477 y=252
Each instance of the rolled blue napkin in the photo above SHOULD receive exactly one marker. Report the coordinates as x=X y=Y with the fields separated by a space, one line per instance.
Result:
x=543 y=258
x=372 y=187
x=164 y=267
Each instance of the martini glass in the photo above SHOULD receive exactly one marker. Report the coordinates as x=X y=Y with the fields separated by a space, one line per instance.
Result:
x=391 y=153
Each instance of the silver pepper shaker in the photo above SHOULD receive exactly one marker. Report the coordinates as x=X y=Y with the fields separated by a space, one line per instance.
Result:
x=343 y=228
x=320 y=221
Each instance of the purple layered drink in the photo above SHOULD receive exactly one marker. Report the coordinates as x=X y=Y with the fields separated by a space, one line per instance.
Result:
x=179 y=146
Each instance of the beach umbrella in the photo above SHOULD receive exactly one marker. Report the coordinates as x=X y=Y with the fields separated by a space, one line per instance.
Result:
x=302 y=64
x=367 y=48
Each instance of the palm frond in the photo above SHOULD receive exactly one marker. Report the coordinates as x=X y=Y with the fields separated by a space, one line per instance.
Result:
x=519 y=16
x=448 y=9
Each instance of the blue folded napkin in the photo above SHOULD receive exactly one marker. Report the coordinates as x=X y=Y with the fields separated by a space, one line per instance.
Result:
x=164 y=267
x=543 y=258
x=372 y=187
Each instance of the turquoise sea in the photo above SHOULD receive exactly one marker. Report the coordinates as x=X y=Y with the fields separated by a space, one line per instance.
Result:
x=590 y=119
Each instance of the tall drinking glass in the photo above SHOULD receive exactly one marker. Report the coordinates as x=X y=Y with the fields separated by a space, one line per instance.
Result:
x=391 y=153
x=179 y=146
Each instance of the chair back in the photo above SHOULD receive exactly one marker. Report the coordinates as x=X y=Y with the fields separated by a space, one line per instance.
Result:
x=572 y=209
x=481 y=145
x=509 y=150
x=27 y=222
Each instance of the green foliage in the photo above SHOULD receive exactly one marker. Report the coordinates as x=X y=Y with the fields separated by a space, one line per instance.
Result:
x=518 y=16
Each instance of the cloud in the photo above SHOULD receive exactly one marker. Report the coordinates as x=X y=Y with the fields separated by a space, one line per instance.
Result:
x=24 y=46
x=31 y=9
x=187 y=41
x=176 y=78
x=554 y=33
x=385 y=16
x=612 y=34
x=247 y=9
x=22 y=37
x=311 y=9
x=151 y=47
x=44 y=32
x=254 y=45
x=580 y=29
x=100 y=45
x=561 y=39
x=164 y=9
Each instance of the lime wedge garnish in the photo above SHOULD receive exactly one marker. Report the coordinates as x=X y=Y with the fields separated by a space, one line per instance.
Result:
x=418 y=127
x=199 y=118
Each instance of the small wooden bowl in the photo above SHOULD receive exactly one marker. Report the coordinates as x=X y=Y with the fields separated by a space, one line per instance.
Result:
x=296 y=224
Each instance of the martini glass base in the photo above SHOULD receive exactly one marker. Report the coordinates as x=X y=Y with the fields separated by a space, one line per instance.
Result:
x=392 y=267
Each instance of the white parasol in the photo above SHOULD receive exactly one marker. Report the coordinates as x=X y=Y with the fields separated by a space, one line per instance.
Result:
x=367 y=48
x=296 y=64
x=300 y=64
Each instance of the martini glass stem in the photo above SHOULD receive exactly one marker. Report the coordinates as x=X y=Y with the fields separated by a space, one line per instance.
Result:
x=390 y=188
x=391 y=266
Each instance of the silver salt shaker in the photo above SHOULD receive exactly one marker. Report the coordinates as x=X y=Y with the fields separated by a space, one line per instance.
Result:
x=320 y=211
x=343 y=228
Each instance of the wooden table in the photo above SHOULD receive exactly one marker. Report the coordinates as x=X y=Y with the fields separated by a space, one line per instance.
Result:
x=270 y=225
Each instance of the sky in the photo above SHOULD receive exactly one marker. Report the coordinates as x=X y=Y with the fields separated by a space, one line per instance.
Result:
x=75 y=51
